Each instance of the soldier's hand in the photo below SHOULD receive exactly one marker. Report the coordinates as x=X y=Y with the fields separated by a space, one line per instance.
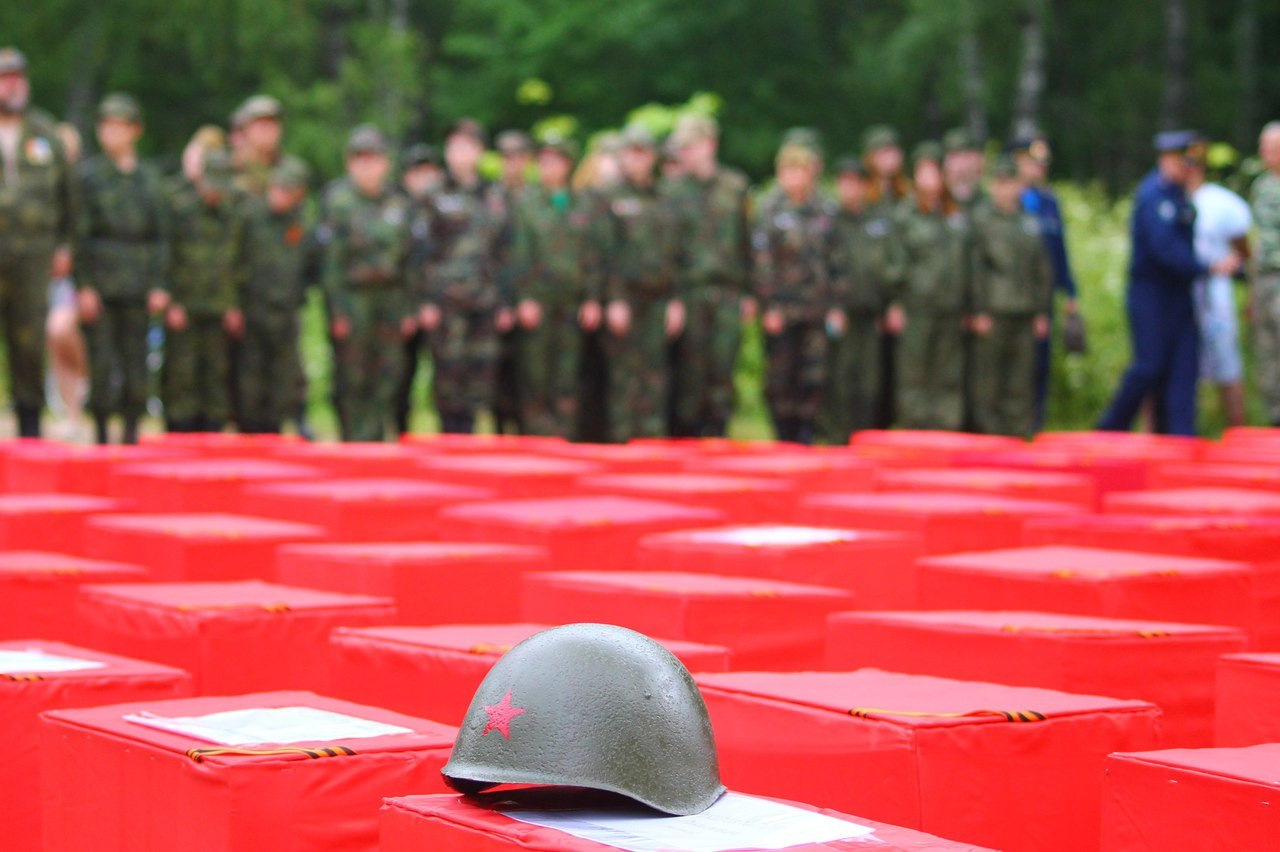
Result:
x=895 y=320
x=675 y=319
x=837 y=323
x=89 y=304
x=504 y=320
x=175 y=316
x=981 y=324
x=1228 y=265
x=749 y=308
x=529 y=314
x=1041 y=326
x=61 y=266
x=157 y=301
x=340 y=328
x=773 y=322
x=408 y=326
x=429 y=316
x=589 y=315
x=618 y=317
x=233 y=322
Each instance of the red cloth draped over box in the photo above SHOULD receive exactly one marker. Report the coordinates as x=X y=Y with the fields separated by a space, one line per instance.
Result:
x=434 y=672
x=1170 y=665
x=877 y=567
x=510 y=474
x=431 y=582
x=1034 y=485
x=478 y=824
x=1173 y=476
x=1014 y=768
x=1243 y=502
x=945 y=522
x=578 y=532
x=620 y=458
x=1248 y=699
x=766 y=623
x=316 y=794
x=1254 y=541
x=39 y=591
x=918 y=448
x=196 y=546
x=1138 y=445
x=740 y=498
x=813 y=470
x=232 y=637
x=200 y=485
x=363 y=509
x=50 y=521
x=1213 y=798
x=352 y=458
x=26 y=693
x=45 y=466
x=1108 y=473
x=477 y=444
x=1091 y=581
x=221 y=444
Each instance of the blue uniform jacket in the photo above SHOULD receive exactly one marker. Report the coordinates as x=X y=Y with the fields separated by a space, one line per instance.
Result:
x=1164 y=261
x=1043 y=204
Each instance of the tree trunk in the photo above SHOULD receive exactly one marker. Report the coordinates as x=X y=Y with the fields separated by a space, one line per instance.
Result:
x=1174 y=107
x=1247 y=73
x=970 y=50
x=1031 y=77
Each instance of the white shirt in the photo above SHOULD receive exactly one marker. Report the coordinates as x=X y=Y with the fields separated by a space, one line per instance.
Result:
x=1221 y=217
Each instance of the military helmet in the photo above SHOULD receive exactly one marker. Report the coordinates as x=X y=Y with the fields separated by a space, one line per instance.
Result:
x=120 y=107
x=12 y=61
x=595 y=706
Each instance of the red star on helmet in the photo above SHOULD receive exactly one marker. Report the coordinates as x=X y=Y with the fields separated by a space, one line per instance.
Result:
x=500 y=716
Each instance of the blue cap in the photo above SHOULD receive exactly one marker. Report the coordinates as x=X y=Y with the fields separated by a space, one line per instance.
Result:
x=1175 y=141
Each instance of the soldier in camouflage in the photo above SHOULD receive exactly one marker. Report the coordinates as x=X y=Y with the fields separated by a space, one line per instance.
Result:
x=366 y=278
x=645 y=311
x=713 y=257
x=37 y=209
x=962 y=167
x=517 y=152
x=792 y=241
x=1265 y=199
x=1012 y=288
x=260 y=123
x=204 y=314
x=422 y=177
x=121 y=248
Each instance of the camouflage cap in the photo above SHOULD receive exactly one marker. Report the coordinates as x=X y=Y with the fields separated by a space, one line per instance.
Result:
x=217 y=172
x=804 y=137
x=959 y=139
x=1005 y=167
x=469 y=127
x=511 y=142
x=880 y=136
x=850 y=165
x=366 y=139
x=637 y=136
x=421 y=154
x=291 y=174
x=927 y=151
x=609 y=142
x=12 y=61
x=256 y=107
x=797 y=155
x=120 y=107
x=560 y=144
x=693 y=128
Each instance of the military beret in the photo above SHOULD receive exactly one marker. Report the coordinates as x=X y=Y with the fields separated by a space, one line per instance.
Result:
x=469 y=127
x=560 y=144
x=1005 y=167
x=514 y=142
x=256 y=107
x=291 y=173
x=931 y=151
x=217 y=172
x=636 y=135
x=12 y=61
x=879 y=136
x=959 y=139
x=805 y=137
x=366 y=139
x=691 y=128
x=421 y=154
x=1175 y=141
x=850 y=165
x=120 y=107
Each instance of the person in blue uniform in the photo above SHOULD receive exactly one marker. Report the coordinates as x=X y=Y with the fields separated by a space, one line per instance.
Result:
x=1033 y=156
x=1162 y=272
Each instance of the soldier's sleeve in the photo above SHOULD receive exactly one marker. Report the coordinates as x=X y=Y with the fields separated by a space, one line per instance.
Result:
x=334 y=264
x=595 y=272
x=670 y=230
x=68 y=195
x=82 y=230
x=972 y=283
x=1171 y=249
x=611 y=248
x=429 y=280
x=173 y=209
x=1056 y=243
x=417 y=255
x=678 y=217
x=1043 y=277
x=762 y=270
x=241 y=223
x=157 y=275
x=894 y=274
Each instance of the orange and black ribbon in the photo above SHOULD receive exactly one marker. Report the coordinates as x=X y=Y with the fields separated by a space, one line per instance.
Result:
x=1087 y=631
x=273 y=607
x=1007 y=715
x=21 y=678
x=199 y=754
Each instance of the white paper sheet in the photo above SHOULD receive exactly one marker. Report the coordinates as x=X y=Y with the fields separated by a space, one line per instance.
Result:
x=269 y=725
x=775 y=536
x=734 y=822
x=35 y=661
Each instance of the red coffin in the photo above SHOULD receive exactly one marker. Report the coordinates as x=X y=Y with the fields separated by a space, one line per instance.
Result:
x=44 y=466
x=809 y=470
x=1091 y=581
x=39 y=591
x=917 y=448
x=1244 y=502
x=231 y=637
x=1262 y=478
x=1034 y=485
x=430 y=582
x=351 y=458
x=1108 y=473
x=766 y=623
x=1169 y=665
x=362 y=509
x=1248 y=699
x=50 y=521
x=1137 y=445
x=877 y=567
x=510 y=474
x=478 y=824
x=434 y=672
x=162 y=796
x=196 y=546
x=1014 y=768
x=200 y=485
x=1213 y=798
x=221 y=444
x=24 y=695
x=620 y=458
x=740 y=498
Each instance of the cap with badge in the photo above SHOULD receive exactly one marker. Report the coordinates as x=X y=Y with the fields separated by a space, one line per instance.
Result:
x=12 y=61
x=558 y=143
x=1005 y=168
x=366 y=139
x=927 y=152
x=1177 y=141
x=513 y=142
x=469 y=127
x=803 y=137
x=118 y=106
x=290 y=174
x=850 y=165
x=1035 y=146
x=879 y=136
x=421 y=154
x=636 y=135
x=959 y=139
x=255 y=108
x=694 y=128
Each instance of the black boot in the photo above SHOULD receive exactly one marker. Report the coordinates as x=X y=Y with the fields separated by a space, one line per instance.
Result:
x=101 y=431
x=456 y=424
x=713 y=428
x=130 y=431
x=181 y=425
x=803 y=432
x=28 y=422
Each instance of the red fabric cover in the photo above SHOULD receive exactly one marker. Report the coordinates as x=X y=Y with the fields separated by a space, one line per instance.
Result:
x=431 y=582
x=50 y=521
x=1195 y=501
x=477 y=444
x=620 y=458
x=116 y=786
x=1034 y=485
x=1206 y=475
x=22 y=702
x=981 y=779
x=352 y=458
x=232 y=637
x=362 y=509
x=914 y=447
x=1248 y=699
x=510 y=474
x=1255 y=541
x=1170 y=665
x=1091 y=581
x=460 y=824
x=38 y=592
x=220 y=444
x=201 y=546
x=740 y=498
x=200 y=485
x=810 y=470
x=1151 y=448
x=1213 y=798
x=715 y=446
x=767 y=624
x=877 y=567
x=434 y=672
x=1243 y=452
x=946 y=523
x=45 y=466
x=578 y=532
x=1109 y=473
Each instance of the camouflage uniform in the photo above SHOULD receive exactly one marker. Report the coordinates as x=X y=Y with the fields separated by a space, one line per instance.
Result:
x=641 y=264
x=554 y=262
x=866 y=272
x=506 y=400
x=793 y=245
x=121 y=250
x=1012 y=284
x=1266 y=292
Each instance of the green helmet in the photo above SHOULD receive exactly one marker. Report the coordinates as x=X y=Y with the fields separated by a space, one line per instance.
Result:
x=596 y=706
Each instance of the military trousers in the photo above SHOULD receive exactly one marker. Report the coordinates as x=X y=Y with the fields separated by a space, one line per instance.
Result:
x=795 y=376
x=548 y=360
x=852 y=395
x=639 y=374
x=117 y=341
x=269 y=366
x=24 y=307
x=368 y=363
x=931 y=371
x=1266 y=341
x=465 y=351
x=1002 y=393
x=706 y=355
x=195 y=381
